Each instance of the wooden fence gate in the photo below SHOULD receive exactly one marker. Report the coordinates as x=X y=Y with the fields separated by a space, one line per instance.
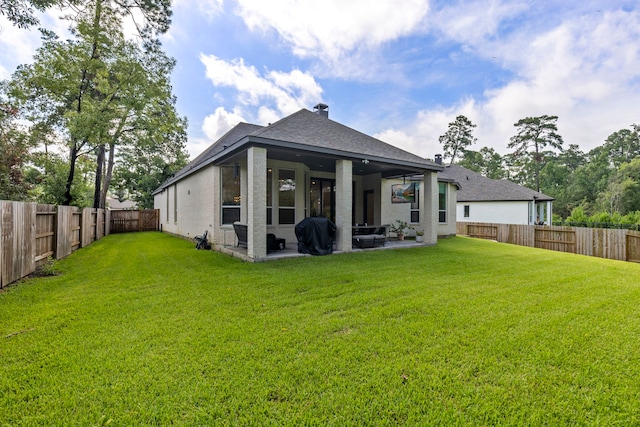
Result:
x=633 y=248
x=130 y=220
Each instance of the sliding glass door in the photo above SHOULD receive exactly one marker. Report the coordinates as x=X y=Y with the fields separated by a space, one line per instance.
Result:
x=323 y=198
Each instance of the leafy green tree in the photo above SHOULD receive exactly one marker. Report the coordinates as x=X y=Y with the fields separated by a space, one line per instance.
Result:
x=458 y=137
x=623 y=145
x=156 y=14
x=493 y=164
x=556 y=177
x=98 y=90
x=533 y=136
x=487 y=162
x=150 y=122
x=589 y=180
x=578 y=216
x=472 y=160
x=143 y=168
x=49 y=175
x=21 y=12
x=15 y=147
x=623 y=192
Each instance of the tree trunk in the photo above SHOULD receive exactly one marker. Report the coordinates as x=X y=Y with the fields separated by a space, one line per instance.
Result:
x=107 y=177
x=98 y=182
x=84 y=85
x=73 y=155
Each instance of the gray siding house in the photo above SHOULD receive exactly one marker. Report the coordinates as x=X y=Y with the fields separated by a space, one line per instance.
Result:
x=272 y=177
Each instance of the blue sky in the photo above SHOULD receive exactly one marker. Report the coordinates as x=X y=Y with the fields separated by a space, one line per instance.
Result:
x=399 y=70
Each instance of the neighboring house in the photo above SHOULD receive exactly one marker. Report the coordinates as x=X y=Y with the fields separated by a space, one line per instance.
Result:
x=115 y=204
x=482 y=199
x=271 y=177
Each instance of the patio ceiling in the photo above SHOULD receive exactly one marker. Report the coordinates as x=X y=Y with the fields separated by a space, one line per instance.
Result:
x=327 y=163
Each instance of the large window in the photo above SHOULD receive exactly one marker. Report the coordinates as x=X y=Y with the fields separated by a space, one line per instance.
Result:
x=269 y=196
x=175 y=203
x=286 y=196
x=415 y=205
x=442 y=202
x=230 y=180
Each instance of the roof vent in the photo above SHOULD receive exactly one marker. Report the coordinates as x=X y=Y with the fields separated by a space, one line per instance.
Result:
x=321 y=109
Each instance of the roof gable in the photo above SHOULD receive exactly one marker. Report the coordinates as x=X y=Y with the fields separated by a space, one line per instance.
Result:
x=319 y=132
x=230 y=138
x=310 y=132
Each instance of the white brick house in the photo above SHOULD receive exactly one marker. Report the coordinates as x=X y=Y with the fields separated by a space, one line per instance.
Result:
x=271 y=177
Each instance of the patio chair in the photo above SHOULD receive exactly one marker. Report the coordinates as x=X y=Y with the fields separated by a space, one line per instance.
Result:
x=241 y=233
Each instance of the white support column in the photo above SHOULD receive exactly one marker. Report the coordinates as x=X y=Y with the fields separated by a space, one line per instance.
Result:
x=540 y=215
x=532 y=212
x=344 y=198
x=256 y=203
x=429 y=207
x=549 y=213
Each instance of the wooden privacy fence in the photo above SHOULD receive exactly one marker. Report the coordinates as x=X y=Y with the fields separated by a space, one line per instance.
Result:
x=31 y=232
x=142 y=220
x=622 y=245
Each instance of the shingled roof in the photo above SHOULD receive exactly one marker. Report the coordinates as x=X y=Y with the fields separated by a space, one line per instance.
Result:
x=308 y=132
x=318 y=132
x=475 y=187
x=234 y=135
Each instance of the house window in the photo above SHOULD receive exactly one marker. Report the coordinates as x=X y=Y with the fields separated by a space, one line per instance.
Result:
x=230 y=181
x=286 y=196
x=175 y=203
x=269 y=196
x=466 y=211
x=415 y=205
x=442 y=202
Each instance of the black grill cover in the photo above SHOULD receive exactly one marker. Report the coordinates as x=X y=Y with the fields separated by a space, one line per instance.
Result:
x=315 y=236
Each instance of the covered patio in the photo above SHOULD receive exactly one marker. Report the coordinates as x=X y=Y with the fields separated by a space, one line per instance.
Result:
x=270 y=178
x=291 y=250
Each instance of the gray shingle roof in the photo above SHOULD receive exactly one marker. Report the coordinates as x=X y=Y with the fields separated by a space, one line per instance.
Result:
x=234 y=135
x=475 y=187
x=316 y=131
x=307 y=131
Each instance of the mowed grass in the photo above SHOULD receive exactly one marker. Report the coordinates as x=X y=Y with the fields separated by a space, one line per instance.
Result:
x=142 y=329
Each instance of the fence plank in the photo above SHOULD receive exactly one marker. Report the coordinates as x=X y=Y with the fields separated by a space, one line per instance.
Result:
x=633 y=247
x=18 y=240
x=68 y=231
x=45 y=244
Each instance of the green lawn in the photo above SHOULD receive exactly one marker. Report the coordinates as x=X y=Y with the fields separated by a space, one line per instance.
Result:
x=142 y=329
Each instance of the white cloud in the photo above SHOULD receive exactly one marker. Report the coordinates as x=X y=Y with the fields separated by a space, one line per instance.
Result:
x=420 y=136
x=275 y=94
x=474 y=21
x=217 y=124
x=340 y=33
x=584 y=70
x=17 y=46
x=209 y=8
